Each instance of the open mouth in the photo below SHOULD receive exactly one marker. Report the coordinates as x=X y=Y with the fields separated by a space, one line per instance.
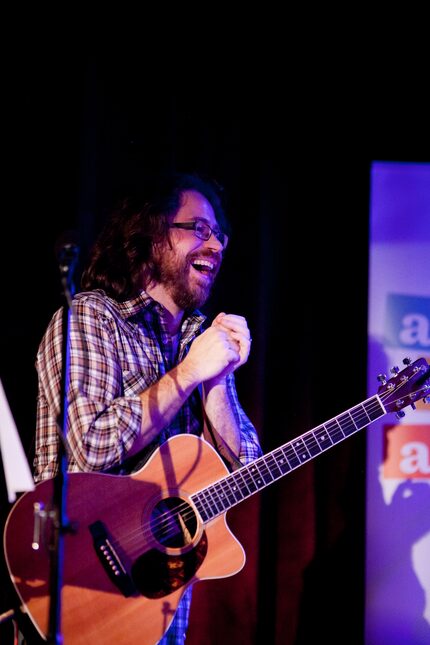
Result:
x=204 y=267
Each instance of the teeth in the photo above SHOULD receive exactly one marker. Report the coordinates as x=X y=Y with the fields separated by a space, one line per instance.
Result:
x=205 y=263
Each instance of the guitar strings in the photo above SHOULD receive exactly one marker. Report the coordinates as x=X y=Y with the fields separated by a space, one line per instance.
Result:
x=186 y=512
x=168 y=524
x=169 y=520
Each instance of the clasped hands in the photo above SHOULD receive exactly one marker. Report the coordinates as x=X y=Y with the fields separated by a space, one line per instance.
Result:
x=221 y=348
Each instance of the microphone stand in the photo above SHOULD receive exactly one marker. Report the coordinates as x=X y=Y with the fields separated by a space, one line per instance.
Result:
x=67 y=256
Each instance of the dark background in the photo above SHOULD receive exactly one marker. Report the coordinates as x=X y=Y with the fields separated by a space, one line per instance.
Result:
x=293 y=151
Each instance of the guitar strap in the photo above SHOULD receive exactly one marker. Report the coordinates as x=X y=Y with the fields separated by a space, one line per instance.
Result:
x=214 y=438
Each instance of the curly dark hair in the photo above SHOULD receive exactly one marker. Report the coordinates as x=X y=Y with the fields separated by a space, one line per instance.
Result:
x=122 y=253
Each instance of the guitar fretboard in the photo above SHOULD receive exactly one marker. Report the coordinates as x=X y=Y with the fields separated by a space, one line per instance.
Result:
x=244 y=482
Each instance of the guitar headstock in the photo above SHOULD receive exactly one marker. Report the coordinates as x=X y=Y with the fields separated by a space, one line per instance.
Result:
x=406 y=386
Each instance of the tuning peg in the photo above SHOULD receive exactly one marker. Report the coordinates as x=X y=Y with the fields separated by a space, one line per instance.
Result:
x=407 y=361
x=382 y=378
x=400 y=414
x=394 y=370
x=426 y=399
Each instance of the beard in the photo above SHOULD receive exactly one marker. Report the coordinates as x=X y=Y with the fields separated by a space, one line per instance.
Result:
x=180 y=280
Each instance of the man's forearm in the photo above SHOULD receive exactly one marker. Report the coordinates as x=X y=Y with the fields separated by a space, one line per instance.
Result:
x=161 y=402
x=221 y=416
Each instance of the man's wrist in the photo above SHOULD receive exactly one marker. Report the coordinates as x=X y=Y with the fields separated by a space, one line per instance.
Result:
x=219 y=383
x=186 y=375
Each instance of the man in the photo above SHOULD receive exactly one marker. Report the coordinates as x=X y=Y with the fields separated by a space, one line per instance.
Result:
x=142 y=369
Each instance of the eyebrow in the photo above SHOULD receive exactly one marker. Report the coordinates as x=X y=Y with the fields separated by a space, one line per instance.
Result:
x=215 y=227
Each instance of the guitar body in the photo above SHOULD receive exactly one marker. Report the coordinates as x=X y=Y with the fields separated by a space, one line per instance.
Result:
x=137 y=545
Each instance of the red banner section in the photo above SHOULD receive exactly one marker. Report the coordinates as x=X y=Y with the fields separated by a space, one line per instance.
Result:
x=406 y=451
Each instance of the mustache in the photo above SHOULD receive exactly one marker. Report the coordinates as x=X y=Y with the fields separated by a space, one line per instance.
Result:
x=214 y=257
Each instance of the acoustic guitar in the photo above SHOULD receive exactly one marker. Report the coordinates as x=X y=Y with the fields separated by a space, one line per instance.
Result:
x=140 y=540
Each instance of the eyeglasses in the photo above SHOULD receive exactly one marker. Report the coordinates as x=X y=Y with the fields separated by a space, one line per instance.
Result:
x=203 y=231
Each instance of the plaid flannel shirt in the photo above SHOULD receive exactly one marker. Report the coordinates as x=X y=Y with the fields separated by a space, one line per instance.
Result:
x=116 y=351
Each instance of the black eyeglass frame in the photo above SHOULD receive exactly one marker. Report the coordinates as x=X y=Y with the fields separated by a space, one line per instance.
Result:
x=202 y=234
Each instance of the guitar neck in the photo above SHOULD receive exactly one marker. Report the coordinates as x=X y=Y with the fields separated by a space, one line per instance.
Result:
x=222 y=495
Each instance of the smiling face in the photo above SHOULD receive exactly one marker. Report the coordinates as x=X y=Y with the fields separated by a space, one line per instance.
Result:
x=188 y=266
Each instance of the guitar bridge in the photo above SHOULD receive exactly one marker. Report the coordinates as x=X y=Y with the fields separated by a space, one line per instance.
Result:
x=110 y=559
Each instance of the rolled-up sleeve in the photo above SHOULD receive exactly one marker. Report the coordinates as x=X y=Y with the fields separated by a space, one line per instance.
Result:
x=102 y=421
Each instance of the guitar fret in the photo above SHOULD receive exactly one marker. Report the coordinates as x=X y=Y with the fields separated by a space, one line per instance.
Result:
x=242 y=483
x=250 y=482
x=212 y=501
x=243 y=486
x=346 y=423
x=334 y=430
x=232 y=492
x=221 y=495
x=265 y=470
x=360 y=416
x=312 y=444
x=237 y=492
x=281 y=461
x=201 y=506
x=273 y=466
x=323 y=438
x=256 y=475
x=218 y=502
x=301 y=450
x=291 y=455
x=373 y=408
x=228 y=493
x=209 y=506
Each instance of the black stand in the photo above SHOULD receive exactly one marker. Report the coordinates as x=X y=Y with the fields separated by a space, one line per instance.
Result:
x=67 y=254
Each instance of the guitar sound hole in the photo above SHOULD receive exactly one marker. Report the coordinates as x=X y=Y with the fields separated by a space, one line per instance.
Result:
x=173 y=522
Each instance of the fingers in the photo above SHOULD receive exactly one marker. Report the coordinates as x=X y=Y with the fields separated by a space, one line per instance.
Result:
x=240 y=336
x=230 y=340
x=234 y=324
x=235 y=338
x=236 y=334
x=217 y=320
x=213 y=353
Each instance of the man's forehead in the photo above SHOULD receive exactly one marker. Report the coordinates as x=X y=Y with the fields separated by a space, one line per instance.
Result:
x=196 y=206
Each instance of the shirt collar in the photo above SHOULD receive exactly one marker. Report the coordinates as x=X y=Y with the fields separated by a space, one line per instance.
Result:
x=145 y=303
